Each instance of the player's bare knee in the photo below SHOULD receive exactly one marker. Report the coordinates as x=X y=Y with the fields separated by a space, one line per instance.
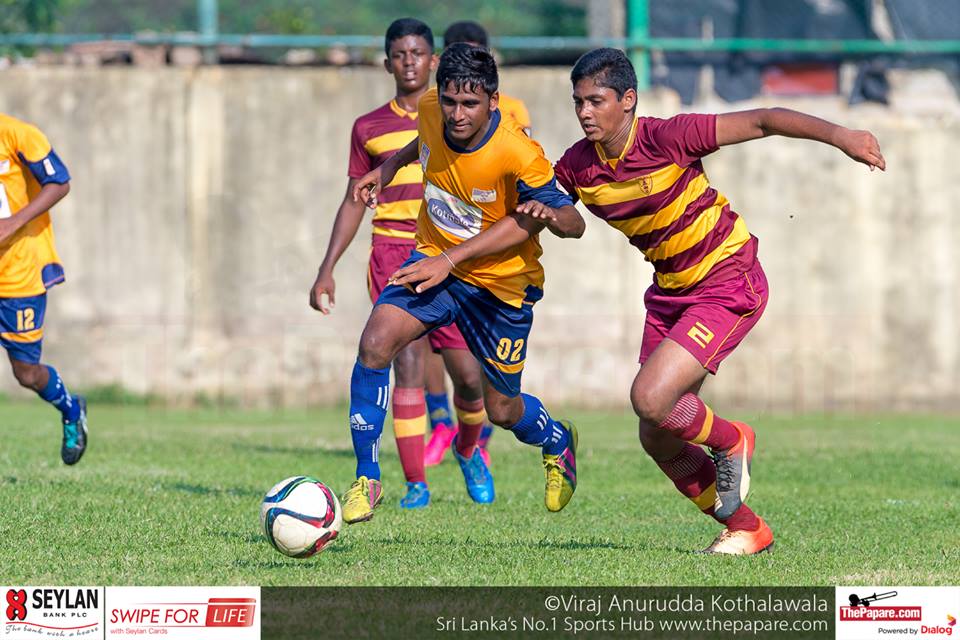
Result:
x=28 y=375
x=408 y=367
x=468 y=385
x=648 y=405
x=503 y=411
x=375 y=351
x=653 y=440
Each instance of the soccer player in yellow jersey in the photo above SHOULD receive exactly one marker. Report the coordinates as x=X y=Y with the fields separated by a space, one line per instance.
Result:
x=488 y=191
x=442 y=430
x=375 y=137
x=644 y=177
x=32 y=180
x=473 y=33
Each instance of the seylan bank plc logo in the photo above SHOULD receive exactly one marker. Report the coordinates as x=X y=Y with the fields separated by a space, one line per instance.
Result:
x=16 y=604
x=53 y=612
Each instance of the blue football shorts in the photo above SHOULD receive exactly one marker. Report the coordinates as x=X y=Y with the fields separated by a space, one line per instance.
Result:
x=21 y=327
x=495 y=332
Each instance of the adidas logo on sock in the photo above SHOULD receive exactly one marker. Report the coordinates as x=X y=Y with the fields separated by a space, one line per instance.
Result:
x=357 y=423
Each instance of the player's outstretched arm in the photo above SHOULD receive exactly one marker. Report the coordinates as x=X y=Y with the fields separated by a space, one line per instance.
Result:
x=345 y=225
x=369 y=186
x=50 y=194
x=503 y=234
x=740 y=126
x=563 y=222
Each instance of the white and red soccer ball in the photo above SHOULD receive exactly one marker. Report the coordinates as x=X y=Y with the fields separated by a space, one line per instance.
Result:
x=300 y=516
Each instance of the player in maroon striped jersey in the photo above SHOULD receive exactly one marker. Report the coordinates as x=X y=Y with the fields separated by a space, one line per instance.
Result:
x=644 y=177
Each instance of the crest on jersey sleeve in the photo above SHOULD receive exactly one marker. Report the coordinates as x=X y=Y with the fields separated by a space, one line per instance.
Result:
x=451 y=214
x=424 y=156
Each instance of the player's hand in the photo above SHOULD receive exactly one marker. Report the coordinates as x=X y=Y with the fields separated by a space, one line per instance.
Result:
x=323 y=286
x=862 y=146
x=423 y=274
x=8 y=227
x=368 y=187
x=538 y=211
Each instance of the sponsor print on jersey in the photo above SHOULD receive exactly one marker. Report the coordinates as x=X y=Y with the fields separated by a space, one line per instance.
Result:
x=451 y=214
x=484 y=195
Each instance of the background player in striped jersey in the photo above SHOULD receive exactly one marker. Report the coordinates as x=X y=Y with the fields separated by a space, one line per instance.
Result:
x=476 y=264
x=442 y=429
x=472 y=33
x=32 y=180
x=644 y=177
x=375 y=137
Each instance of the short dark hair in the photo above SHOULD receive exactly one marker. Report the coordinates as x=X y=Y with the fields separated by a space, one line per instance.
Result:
x=407 y=27
x=609 y=68
x=465 y=31
x=466 y=65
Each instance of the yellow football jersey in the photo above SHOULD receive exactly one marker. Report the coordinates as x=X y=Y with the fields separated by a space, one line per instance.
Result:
x=468 y=190
x=29 y=264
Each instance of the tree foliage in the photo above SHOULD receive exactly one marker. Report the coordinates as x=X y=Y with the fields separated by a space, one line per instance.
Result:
x=501 y=17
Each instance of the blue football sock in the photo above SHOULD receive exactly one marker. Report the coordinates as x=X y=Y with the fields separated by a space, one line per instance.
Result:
x=438 y=408
x=369 y=397
x=536 y=427
x=56 y=393
x=485 y=434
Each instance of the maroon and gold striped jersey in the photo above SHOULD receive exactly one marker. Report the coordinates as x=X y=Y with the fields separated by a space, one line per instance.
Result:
x=376 y=136
x=657 y=194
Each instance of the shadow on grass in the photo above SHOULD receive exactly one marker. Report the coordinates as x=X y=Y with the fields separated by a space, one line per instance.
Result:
x=294 y=451
x=282 y=562
x=202 y=490
x=571 y=545
x=246 y=538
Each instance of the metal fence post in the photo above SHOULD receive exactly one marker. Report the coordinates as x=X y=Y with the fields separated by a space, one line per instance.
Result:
x=208 y=18
x=638 y=36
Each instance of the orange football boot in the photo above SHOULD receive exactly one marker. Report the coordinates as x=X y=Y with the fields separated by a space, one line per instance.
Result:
x=742 y=543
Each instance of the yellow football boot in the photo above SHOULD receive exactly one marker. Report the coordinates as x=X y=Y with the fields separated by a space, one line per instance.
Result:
x=561 y=472
x=360 y=500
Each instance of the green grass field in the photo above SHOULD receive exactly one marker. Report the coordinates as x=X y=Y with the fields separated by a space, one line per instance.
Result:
x=172 y=497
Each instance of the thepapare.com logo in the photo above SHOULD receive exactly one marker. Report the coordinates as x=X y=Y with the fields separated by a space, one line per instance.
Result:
x=53 y=612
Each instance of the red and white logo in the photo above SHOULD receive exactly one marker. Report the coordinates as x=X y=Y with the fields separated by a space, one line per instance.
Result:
x=52 y=612
x=870 y=612
x=226 y=613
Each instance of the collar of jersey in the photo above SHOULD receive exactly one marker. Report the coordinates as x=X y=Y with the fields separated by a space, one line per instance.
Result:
x=400 y=111
x=494 y=123
x=630 y=139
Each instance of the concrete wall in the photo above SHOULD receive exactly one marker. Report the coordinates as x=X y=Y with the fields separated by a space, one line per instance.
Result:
x=202 y=202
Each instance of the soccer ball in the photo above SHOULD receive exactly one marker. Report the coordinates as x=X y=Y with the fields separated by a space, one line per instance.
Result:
x=300 y=516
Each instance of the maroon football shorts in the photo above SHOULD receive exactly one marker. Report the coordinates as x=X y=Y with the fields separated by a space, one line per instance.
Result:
x=386 y=257
x=710 y=320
